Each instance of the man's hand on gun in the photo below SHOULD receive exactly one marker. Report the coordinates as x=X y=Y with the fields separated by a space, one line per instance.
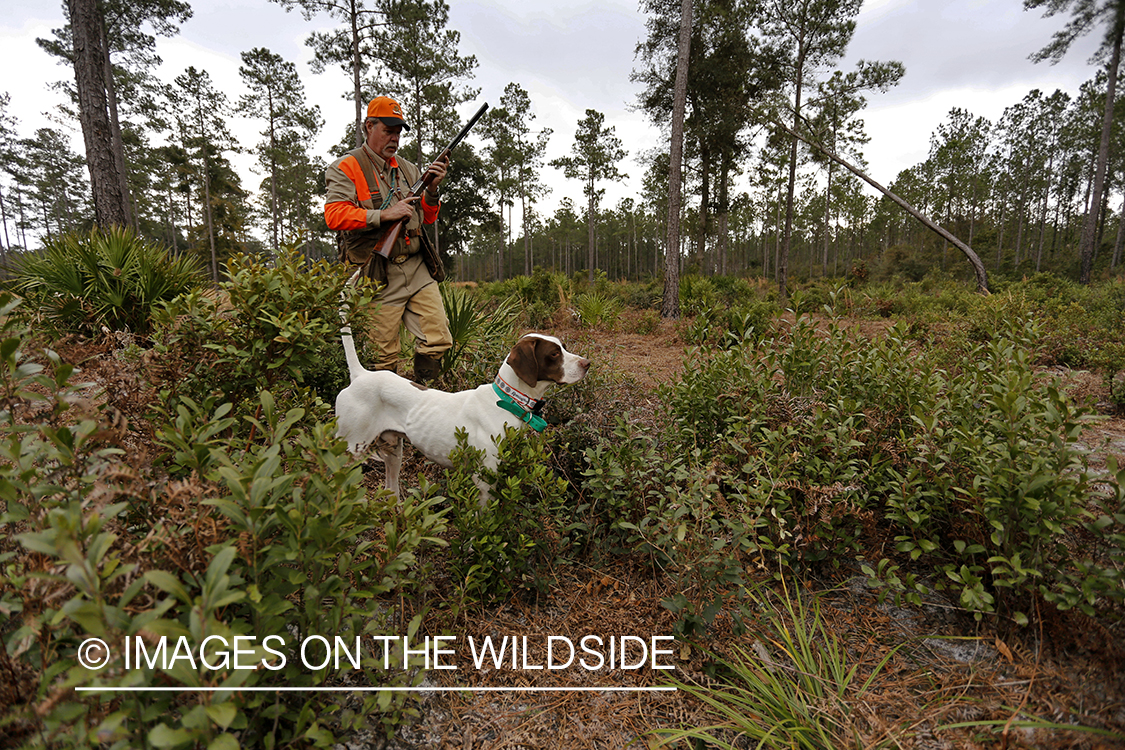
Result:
x=405 y=207
x=401 y=210
x=438 y=169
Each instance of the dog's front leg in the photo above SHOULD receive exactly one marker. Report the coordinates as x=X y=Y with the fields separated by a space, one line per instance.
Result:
x=485 y=490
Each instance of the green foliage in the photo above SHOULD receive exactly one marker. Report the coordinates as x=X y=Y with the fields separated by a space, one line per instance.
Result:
x=535 y=300
x=274 y=540
x=802 y=690
x=595 y=310
x=726 y=327
x=634 y=500
x=646 y=295
x=546 y=288
x=475 y=328
x=623 y=475
x=1007 y=456
x=648 y=323
x=697 y=295
x=503 y=541
x=815 y=437
x=270 y=327
x=82 y=282
x=1116 y=381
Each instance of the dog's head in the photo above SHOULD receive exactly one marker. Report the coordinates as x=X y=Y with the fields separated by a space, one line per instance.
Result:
x=537 y=357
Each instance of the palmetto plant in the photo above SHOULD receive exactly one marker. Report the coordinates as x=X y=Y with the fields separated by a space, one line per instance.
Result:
x=595 y=310
x=110 y=278
x=472 y=326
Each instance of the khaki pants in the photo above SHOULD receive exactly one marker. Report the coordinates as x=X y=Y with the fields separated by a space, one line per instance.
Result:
x=411 y=298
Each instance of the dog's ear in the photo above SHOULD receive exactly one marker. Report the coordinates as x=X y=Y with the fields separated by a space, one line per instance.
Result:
x=524 y=361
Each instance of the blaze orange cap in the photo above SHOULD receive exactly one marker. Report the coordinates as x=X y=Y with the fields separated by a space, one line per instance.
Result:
x=387 y=110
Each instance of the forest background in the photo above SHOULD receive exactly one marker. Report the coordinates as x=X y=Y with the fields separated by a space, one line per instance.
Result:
x=1019 y=207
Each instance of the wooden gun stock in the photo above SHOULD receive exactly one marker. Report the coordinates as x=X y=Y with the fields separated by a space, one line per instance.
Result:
x=386 y=245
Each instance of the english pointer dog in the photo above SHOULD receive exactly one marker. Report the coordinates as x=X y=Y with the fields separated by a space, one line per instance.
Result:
x=379 y=409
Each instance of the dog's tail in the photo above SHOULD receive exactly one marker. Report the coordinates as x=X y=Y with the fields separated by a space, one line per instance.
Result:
x=355 y=369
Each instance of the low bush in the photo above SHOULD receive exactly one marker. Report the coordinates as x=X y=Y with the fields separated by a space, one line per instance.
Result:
x=816 y=445
x=266 y=537
x=477 y=329
x=727 y=327
x=84 y=282
x=594 y=310
x=504 y=544
x=272 y=327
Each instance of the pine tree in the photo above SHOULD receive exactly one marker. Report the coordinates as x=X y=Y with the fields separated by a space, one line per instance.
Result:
x=7 y=162
x=205 y=135
x=347 y=46
x=528 y=148
x=502 y=162
x=130 y=88
x=815 y=33
x=1086 y=15
x=839 y=99
x=596 y=151
x=278 y=97
x=90 y=56
x=422 y=68
x=55 y=187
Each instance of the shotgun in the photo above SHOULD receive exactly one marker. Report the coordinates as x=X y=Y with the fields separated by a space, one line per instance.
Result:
x=386 y=245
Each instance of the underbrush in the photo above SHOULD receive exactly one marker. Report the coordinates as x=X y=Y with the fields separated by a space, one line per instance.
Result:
x=206 y=584
x=933 y=456
x=82 y=283
x=269 y=327
x=815 y=448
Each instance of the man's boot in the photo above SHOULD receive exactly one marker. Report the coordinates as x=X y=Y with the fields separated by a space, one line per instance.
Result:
x=426 y=368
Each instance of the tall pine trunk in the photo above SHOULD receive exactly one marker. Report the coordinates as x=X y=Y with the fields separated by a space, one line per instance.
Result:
x=671 y=305
x=93 y=112
x=787 y=238
x=116 y=140
x=1090 y=228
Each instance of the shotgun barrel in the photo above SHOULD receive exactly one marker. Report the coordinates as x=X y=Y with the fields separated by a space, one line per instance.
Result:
x=386 y=245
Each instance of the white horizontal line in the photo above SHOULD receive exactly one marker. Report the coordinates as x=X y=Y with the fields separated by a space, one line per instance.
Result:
x=382 y=689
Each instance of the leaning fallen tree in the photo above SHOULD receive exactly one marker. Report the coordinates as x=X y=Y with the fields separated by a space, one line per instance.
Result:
x=978 y=267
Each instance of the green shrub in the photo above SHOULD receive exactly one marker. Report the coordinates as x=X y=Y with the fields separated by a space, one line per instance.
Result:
x=270 y=538
x=474 y=327
x=697 y=295
x=747 y=322
x=645 y=295
x=714 y=397
x=622 y=476
x=595 y=310
x=1116 y=383
x=634 y=500
x=999 y=487
x=818 y=438
x=504 y=543
x=80 y=283
x=547 y=289
x=272 y=327
x=733 y=290
x=648 y=323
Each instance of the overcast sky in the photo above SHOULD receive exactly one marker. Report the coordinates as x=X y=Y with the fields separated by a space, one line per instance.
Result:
x=570 y=57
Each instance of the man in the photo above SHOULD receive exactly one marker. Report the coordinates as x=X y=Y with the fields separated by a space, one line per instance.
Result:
x=359 y=210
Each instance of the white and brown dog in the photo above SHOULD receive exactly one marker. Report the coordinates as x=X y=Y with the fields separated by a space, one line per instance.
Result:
x=380 y=408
